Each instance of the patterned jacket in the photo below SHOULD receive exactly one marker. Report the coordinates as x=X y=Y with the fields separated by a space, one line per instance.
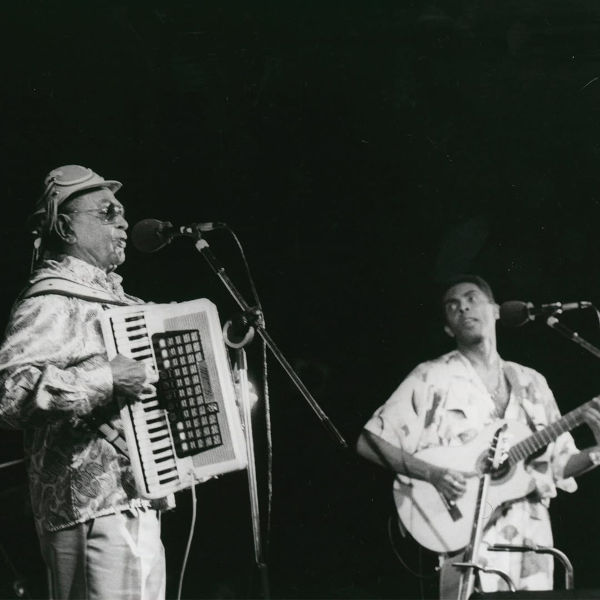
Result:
x=54 y=374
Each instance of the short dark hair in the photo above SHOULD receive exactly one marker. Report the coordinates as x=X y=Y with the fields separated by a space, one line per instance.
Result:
x=480 y=282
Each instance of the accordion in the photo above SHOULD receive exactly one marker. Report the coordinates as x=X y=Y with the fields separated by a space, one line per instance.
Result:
x=191 y=429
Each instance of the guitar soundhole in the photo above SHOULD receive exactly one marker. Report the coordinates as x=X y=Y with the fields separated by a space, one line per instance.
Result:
x=501 y=472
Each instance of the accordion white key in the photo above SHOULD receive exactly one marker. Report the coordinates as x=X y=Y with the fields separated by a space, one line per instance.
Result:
x=191 y=429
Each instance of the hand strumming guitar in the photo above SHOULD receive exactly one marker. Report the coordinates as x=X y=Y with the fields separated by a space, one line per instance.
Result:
x=450 y=483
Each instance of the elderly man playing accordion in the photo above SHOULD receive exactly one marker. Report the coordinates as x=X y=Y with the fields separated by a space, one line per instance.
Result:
x=98 y=538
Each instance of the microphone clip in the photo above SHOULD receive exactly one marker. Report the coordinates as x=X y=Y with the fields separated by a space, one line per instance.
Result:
x=239 y=330
x=195 y=230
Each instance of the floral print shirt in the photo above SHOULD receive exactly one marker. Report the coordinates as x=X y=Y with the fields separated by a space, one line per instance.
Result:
x=443 y=402
x=54 y=374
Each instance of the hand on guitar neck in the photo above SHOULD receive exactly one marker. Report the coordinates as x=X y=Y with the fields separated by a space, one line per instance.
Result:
x=591 y=416
x=588 y=458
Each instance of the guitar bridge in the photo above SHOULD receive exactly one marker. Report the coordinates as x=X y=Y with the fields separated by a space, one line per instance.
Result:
x=453 y=510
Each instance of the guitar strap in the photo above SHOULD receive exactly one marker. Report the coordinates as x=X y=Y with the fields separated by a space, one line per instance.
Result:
x=509 y=374
x=529 y=420
x=66 y=287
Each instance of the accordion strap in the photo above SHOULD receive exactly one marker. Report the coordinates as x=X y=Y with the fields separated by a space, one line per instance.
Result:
x=66 y=287
x=112 y=436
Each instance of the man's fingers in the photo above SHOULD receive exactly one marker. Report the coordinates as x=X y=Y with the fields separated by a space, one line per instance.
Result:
x=592 y=416
x=150 y=390
x=469 y=474
x=460 y=476
x=151 y=374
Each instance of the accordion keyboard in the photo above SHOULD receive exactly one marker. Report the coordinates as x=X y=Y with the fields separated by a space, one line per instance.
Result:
x=190 y=430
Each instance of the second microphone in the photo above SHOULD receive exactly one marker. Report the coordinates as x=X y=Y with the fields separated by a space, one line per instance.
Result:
x=515 y=313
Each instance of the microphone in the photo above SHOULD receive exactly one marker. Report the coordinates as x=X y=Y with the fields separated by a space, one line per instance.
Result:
x=150 y=235
x=515 y=313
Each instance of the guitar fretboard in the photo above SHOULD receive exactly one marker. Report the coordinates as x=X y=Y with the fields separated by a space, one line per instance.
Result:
x=539 y=439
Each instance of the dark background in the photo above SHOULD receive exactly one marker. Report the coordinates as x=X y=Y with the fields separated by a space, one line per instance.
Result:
x=363 y=151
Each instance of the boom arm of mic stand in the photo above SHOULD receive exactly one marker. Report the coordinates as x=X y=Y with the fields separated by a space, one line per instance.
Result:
x=555 y=324
x=204 y=249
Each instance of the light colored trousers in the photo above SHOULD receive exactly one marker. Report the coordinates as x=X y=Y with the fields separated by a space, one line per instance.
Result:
x=115 y=557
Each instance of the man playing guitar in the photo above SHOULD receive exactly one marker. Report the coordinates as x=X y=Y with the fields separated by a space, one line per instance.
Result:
x=441 y=410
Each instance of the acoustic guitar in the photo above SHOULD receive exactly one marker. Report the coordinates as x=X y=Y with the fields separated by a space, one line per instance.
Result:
x=441 y=526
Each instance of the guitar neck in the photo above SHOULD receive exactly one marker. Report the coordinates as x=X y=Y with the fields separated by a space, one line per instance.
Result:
x=542 y=438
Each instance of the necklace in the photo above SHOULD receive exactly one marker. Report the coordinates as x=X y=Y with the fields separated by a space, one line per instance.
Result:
x=499 y=387
x=495 y=383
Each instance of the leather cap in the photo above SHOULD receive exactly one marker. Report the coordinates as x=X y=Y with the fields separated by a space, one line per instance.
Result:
x=62 y=183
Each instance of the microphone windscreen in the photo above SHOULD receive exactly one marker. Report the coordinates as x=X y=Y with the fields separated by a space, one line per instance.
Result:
x=514 y=313
x=149 y=235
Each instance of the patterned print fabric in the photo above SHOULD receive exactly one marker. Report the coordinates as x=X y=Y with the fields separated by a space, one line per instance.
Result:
x=443 y=402
x=54 y=373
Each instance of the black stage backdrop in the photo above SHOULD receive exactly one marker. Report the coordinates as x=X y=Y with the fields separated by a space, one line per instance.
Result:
x=363 y=151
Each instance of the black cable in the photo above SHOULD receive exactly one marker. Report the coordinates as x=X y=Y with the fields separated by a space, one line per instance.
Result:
x=188 y=545
x=246 y=266
x=421 y=575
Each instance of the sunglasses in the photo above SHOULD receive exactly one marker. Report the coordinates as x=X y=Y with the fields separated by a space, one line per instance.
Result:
x=108 y=214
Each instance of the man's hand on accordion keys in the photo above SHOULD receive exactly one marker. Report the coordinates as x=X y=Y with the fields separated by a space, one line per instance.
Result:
x=131 y=378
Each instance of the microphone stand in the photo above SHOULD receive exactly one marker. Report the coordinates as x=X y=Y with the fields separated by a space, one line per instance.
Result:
x=253 y=314
x=241 y=375
x=555 y=324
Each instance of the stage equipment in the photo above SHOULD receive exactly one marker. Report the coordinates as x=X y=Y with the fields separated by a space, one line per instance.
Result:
x=470 y=566
x=195 y=232
x=151 y=235
x=237 y=333
x=515 y=313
